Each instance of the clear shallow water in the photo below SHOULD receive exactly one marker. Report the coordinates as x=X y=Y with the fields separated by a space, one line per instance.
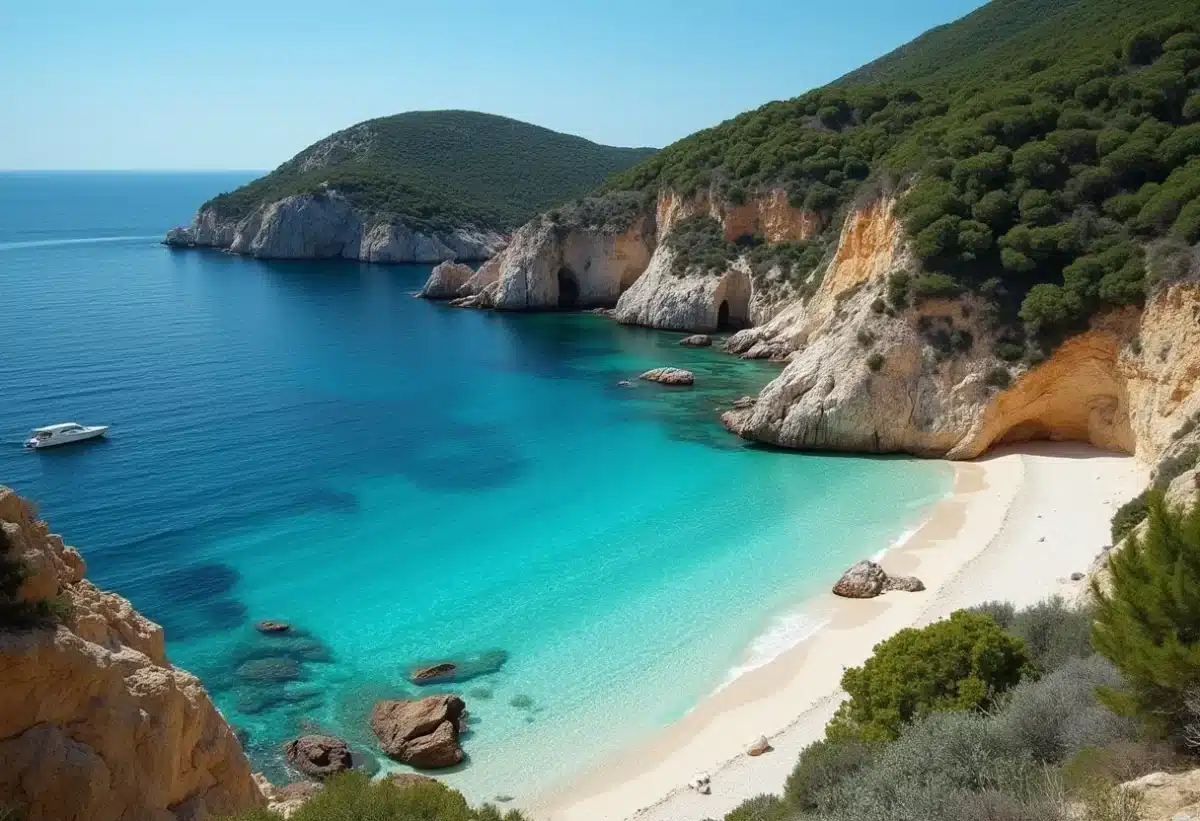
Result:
x=406 y=482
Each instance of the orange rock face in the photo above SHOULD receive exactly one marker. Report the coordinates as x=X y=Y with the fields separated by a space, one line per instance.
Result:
x=96 y=724
x=766 y=213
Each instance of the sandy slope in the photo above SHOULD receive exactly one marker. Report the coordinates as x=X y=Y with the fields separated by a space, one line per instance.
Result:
x=1019 y=522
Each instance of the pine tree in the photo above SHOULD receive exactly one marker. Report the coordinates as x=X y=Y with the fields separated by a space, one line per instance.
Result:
x=1148 y=625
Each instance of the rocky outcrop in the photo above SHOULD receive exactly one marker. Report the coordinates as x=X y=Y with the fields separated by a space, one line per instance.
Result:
x=861 y=380
x=446 y=280
x=866 y=580
x=318 y=756
x=765 y=213
x=669 y=376
x=326 y=226
x=95 y=722
x=421 y=733
x=696 y=341
x=694 y=300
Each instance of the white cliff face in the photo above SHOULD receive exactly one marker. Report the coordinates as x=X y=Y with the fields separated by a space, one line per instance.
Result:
x=696 y=301
x=546 y=266
x=325 y=226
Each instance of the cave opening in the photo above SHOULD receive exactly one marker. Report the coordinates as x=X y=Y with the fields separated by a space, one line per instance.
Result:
x=723 y=323
x=568 y=289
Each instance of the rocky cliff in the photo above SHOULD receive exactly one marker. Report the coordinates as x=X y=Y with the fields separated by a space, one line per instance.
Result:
x=324 y=226
x=926 y=380
x=564 y=261
x=95 y=722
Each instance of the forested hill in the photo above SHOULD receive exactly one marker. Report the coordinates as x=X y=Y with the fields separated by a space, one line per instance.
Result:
x=1051 y=142
x=441 y=169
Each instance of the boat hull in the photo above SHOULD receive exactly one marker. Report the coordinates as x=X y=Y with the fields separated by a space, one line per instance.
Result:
x=69 y=439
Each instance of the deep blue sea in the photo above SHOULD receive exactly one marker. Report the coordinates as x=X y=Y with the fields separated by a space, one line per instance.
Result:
x=405 y=482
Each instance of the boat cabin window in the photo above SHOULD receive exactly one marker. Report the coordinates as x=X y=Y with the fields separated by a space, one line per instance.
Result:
x=44 y=435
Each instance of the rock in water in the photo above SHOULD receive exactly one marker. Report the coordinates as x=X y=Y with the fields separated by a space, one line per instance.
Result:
x=866 y=580
x=759 y=746
x=446 y=280
x=272 y=626
x=669 y=376
x=421 y=733
x=318 y=756
x=696 y=341
x=445 y=671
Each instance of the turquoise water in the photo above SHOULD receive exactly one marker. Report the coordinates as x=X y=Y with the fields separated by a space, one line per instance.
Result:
x=405 y=482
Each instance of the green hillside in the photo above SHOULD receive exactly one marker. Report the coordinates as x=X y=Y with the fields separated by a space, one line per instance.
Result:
x=1050 y=142
x=442 y=169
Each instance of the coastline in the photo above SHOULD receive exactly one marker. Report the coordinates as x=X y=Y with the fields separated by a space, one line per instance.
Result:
x=1019 y=521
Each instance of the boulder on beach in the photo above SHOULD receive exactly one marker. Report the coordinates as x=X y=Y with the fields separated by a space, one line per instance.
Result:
x=866 y=580
x=422 y=733
x=318 y=756
x=758 y=746
x=669 y=376
x=696 y=341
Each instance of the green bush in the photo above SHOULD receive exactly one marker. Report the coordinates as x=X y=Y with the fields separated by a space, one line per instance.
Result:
x=960 y=663
x=1053 y=633
x=823 y=766
x=1010 y=351
x=699 y=245
x=760 y=808
x=22 y=614
x=1148 y=624
x=997 y=377
x=875 y=362
x=930 y=286
x=1130 y=515
x=352 y=796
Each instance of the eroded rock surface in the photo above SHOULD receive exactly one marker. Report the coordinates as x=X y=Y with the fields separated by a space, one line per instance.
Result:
x=866 y=580
x=421 y=733
x=446 y=280
x=669 y=376
x=318 y=756
x=95 y=723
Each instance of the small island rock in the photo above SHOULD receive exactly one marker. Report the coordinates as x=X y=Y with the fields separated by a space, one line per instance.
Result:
x=669 y=376
x=421 y=733
x=318 y=756
x=696 y=341
x=446 y=280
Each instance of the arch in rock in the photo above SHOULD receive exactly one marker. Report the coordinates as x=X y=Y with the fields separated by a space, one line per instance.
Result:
x=568 y=288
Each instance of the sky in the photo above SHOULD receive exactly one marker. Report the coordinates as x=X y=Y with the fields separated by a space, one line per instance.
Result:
x=245 y=85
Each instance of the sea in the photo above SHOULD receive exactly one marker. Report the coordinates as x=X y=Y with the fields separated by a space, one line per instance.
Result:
x=406 y=483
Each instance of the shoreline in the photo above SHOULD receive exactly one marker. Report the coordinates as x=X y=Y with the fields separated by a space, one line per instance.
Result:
x=1018 y=522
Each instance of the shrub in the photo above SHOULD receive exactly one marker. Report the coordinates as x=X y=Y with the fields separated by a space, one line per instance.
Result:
x=875 y=362
x=1055 y=717
x=699 y=244
x=1010 y=351
x=897 y=288
x=352 y=795
x=878 y=306
x=1119 y=761
x=960 y=663
x=929 y=286
x=865 y=337
x=823 y=766
x=1054 y=633
x=1129 y=515
x=760 y=808
x=1148 y=625
x=22 y=614
x=997 y=377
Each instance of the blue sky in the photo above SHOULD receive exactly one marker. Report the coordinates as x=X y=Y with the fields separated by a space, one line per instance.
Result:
x=220 y=84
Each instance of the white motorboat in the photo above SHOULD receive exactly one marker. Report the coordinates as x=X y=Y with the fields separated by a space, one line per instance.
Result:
x=64 y=433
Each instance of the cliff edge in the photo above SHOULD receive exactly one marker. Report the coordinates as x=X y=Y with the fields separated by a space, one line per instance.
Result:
x=95 y=722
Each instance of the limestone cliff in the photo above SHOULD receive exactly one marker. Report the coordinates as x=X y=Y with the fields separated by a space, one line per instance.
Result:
x=325 y=226
x=95 y=722
x=861 y=380
x=568 y=262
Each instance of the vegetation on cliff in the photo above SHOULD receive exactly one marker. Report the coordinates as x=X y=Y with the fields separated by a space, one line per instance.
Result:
x=19 y=613
x=1042 y=146
x=440 y=170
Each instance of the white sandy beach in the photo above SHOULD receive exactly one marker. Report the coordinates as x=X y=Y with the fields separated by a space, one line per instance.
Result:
x=1019 y=522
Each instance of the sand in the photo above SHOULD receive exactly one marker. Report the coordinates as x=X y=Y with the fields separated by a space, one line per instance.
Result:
x=1019 y=522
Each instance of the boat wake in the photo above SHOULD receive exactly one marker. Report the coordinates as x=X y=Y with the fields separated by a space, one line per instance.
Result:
x=48 y=243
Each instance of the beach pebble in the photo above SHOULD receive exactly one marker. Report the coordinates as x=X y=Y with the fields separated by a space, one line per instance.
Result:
x=758 y=746
x=1042 y=539
x=701 y=783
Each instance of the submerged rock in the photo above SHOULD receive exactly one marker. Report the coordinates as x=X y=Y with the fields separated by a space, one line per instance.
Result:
x=696 y=341
x=445 y=671
x=669 y=376
x=463 y=668
x=272 y=626
x=318 y=756
x=866 y=580
x=421 y=733
x=270 y=669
